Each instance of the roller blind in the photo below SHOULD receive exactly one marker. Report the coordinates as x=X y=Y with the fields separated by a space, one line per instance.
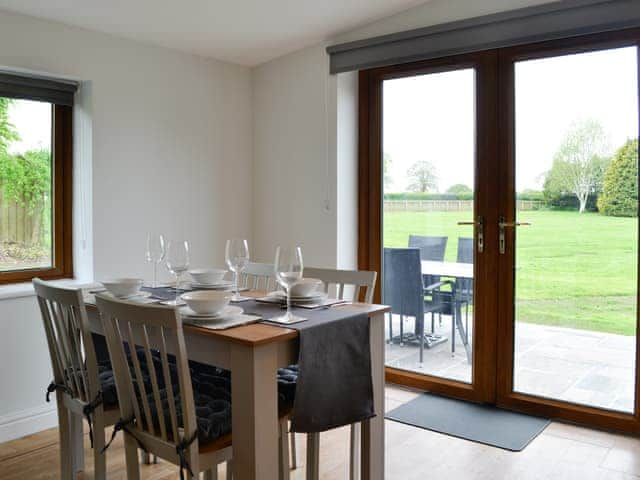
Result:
x=516 y=27
x=60 y=92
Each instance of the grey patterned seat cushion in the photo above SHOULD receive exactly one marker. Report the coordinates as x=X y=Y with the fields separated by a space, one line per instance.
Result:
x=211 y=390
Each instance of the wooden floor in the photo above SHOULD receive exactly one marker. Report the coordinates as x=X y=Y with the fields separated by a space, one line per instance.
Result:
x=561 y=452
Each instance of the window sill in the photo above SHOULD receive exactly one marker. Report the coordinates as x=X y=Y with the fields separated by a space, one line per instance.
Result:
x=18 y=290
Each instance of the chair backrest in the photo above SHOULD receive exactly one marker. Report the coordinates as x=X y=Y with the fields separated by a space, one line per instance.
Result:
x=431 y=248
x=358 y=279
x=402 y=287
x=464 y=286
x=258 y=276
x=73 y=356
x=140 y=339
x=465 y=250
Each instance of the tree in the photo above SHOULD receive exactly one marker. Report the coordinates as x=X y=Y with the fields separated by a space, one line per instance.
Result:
x=620 y=187
x=422 y=176
x=26 y=179
x=459 y=189
x=579 y=163
x=8 y=132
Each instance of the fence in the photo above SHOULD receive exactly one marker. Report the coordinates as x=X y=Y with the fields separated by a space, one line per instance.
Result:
x=17 y=225
x=447 y=205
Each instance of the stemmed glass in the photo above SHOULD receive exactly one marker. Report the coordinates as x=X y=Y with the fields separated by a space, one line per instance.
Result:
x=288 y=269
x=155 y=254
x=177 y=262
x=236 y=254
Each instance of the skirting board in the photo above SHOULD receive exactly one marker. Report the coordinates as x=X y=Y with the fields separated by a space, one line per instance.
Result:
x=26 y=422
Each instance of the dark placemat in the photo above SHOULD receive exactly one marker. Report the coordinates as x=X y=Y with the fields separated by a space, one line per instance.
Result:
x=164 y=293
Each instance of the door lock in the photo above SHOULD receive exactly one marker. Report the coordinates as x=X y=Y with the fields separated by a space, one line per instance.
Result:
x=502 y=224
x=479 y=224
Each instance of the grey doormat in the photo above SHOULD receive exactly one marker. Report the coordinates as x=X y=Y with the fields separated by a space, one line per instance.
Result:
x=471 y=421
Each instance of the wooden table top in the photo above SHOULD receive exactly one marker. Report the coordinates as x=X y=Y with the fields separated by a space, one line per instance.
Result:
x=260 y=333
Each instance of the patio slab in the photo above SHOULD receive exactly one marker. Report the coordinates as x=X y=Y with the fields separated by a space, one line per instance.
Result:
x=592 y=368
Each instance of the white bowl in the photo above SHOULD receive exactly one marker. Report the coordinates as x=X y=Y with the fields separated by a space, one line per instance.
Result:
x=305 y=287
x=123 y=287
x=207 y=301
x=207 y=276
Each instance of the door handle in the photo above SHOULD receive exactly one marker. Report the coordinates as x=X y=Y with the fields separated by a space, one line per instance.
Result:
x=479 y=224
x=502 y=224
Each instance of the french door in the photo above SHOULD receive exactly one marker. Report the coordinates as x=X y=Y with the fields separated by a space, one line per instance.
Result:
x=510 y=177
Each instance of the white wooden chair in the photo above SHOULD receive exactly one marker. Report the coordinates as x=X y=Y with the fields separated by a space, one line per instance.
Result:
x=354 y=286
x=258 y=276
x=75 y=377
x=342 y=280
x=157 y=328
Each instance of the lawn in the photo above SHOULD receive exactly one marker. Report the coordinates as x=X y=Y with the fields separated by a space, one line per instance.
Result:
x=572 y=270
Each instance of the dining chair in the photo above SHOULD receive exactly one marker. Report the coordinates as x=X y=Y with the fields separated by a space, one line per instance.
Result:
x=258 y=276
x=160 y=415
x=354 y=286
x=76 y=378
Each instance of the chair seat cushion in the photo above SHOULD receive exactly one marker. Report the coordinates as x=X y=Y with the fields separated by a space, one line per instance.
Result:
x=211 y=392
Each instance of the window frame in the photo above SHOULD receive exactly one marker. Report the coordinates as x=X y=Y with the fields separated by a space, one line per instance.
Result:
x=62 y=201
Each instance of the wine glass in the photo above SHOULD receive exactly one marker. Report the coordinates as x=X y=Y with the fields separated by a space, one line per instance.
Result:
x=236 y=254
x=177 y=262
x=155 y=254
x=288 y=269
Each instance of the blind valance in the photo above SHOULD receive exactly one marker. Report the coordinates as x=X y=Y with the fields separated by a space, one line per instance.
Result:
x=549 y=21
x=25 y=87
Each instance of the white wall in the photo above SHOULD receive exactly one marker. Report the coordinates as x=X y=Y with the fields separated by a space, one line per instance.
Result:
x=294 y=168
x=289 y=123
x=164 y=140
x=346 y=127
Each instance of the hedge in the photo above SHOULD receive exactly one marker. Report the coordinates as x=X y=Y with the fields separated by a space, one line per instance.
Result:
x=620 y=188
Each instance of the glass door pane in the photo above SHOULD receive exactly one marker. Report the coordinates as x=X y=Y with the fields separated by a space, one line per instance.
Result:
x=429 y=154
x=576 y=264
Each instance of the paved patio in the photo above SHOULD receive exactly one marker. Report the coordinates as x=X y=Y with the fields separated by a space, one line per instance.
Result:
x=578 y=366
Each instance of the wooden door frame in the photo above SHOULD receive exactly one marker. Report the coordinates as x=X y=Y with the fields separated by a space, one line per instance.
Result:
x=483 y=386
x=506 y=397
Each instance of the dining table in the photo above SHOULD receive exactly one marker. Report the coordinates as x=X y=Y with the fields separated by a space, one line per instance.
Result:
x=253 y=353
x=456 y=271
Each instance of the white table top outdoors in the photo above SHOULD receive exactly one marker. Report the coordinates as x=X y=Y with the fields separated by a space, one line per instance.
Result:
x=447 y=269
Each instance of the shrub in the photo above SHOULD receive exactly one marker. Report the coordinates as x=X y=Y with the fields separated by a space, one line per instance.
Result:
x=620 y=190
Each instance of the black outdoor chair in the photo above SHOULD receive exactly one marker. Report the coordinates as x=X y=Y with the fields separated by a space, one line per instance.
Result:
x=432 y=249
x=405 y=293
x=464 y=286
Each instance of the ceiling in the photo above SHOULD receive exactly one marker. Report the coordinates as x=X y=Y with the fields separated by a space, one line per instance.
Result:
x=247 y=32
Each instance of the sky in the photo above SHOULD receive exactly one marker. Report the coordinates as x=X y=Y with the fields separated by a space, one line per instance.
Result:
x=33 y=123
x=431 y=117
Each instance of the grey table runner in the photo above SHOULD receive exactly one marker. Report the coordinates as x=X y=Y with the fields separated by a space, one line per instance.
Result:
x=334 y=385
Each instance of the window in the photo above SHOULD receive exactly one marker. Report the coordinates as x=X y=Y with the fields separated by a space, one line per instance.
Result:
x=35 y=179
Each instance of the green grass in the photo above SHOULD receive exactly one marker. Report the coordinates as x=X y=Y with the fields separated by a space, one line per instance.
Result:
x=572 y=270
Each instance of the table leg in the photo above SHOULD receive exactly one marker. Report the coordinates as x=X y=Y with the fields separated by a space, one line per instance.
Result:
x=372 y=434
x=254 y=398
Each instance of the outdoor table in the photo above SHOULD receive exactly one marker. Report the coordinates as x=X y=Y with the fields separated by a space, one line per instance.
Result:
x=453 y=270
